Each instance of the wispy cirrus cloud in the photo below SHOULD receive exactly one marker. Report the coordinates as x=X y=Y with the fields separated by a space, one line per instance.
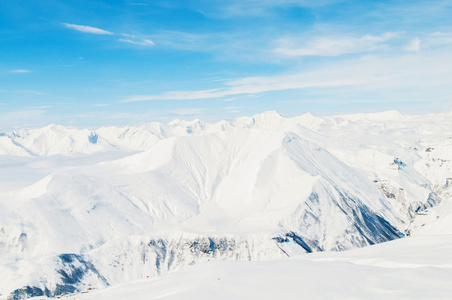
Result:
x=128 y=38
x=20 y=71
x=141 y=43
x=352 y=76
x=438 y=39
x=181 y=40
x=87 y=29
x=178 y=95
x=326 y=46
x=239 y=87
x=133 y=39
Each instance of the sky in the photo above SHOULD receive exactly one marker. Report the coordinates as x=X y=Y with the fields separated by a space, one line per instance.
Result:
x=91 y=63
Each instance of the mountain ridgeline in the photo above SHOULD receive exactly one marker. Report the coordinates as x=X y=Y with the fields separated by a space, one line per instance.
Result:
x=83 y=209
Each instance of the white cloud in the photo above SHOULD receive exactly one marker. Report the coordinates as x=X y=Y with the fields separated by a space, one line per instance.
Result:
x=414 y=45
x=437 y=39
x=325 y=46
x=175 y=95
x=252 y=85
x=20 y=71
x=230 y=99
x=142 y=43
x=187 y=41
x=367 y=73
x=128 y=35
x=87 y=29
x=129 y=38
x=438 y=33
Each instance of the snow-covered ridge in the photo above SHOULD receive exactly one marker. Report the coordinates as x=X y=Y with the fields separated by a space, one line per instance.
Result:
x=59 y=140
x=88 y=208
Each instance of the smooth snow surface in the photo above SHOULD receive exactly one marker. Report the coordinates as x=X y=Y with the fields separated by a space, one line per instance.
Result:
x=83 y=209
x=411 y=268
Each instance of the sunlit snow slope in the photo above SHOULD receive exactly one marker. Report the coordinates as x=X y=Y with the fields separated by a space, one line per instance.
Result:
x=86 y=209
x=412 y=268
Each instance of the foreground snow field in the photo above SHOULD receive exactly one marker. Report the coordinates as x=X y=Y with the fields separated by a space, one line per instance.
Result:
x=164 y=203
x=411 y=268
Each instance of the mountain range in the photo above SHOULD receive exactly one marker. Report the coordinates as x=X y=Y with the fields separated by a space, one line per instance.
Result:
x=89 y=208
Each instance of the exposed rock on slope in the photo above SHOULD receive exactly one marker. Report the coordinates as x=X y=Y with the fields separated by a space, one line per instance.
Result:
x=82 y=209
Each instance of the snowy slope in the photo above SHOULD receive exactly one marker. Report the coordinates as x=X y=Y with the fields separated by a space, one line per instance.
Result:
x=412 y=268
x=92 y=208
x=416 y=267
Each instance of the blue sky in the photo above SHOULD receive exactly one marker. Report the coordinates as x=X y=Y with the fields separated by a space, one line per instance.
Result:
x=94 y=63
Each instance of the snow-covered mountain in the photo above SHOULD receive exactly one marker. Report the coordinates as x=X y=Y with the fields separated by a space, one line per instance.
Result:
x=412 y=268
x=82 y=209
